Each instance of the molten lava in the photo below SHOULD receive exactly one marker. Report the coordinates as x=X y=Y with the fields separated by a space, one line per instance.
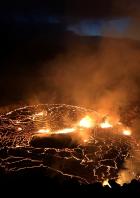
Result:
x=106 y=183
x=86 y=122
x=63 y=131
x=83 y=125
x=66 y=130
x=59 y=139
x=106 y=124
x=127 y=132
x=43 y=131
x=19 y=129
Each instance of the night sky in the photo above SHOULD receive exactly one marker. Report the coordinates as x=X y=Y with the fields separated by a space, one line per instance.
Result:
x=88 y=18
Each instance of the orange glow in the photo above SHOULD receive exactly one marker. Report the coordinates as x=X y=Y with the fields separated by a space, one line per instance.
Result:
x=19 y=129
x=106 y=183
x=127 y=132
x=44 y=131
x=66 y=130
x=39 y=114
x=106 y=124
x=86 y=122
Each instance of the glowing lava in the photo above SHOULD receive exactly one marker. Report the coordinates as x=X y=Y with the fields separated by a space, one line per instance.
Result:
x=67 y=140
x=66 y=130
x=86 y=122
x=63 y=131
x=106 y=183
x=106 y=124
x=43 y=131
x=19 y=129
x=127 y=132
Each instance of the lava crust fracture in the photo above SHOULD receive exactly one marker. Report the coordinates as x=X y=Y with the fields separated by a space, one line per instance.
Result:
x=99 y=158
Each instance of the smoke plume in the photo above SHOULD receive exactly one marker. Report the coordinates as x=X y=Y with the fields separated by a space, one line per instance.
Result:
x=105 y=78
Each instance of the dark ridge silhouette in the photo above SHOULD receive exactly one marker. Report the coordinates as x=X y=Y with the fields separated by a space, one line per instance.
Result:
x=36 y=182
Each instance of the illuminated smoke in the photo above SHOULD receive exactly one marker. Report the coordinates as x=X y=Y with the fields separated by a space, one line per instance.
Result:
x=101 y=79
x=105 y=79
x=131 y=168
x=125 y=176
